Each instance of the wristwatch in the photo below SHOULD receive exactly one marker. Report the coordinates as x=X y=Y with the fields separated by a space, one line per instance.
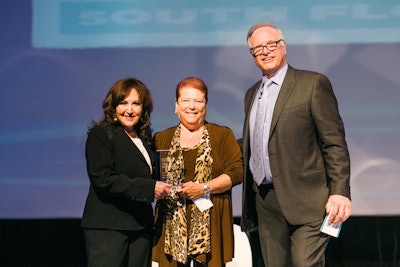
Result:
x=206 y=190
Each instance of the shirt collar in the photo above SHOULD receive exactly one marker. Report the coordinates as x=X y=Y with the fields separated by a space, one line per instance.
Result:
x=278 y=77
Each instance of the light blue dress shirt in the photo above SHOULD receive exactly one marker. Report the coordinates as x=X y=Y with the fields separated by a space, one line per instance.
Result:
x=271 y=92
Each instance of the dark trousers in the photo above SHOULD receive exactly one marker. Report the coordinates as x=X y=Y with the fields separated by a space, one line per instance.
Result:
x=283 y=244
x=195 y=264
x=117 y=248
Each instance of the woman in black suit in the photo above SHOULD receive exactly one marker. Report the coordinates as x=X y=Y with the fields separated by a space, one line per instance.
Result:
x=118 y=216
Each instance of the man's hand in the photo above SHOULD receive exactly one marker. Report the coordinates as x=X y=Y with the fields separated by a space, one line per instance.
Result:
x=339 y=208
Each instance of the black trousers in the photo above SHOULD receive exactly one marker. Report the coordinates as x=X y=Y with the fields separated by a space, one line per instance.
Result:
x=105 y=248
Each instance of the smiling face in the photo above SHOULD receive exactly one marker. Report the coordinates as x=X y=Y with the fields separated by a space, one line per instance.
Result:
x=191 y=107
x=129 y=110
x=268 y=61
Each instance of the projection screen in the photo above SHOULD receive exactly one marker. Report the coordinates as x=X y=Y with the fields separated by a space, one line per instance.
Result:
x=60 y=57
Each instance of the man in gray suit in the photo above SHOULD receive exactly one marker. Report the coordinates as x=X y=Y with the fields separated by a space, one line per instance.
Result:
x=297 y=164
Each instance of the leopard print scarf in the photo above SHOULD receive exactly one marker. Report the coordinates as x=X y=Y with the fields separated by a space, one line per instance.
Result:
x=177 y=243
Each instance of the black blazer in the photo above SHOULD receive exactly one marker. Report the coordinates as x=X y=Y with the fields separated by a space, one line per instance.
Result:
x=308 y=153
x=121 y=184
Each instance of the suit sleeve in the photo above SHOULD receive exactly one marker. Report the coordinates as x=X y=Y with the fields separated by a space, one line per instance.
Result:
x=331 y=134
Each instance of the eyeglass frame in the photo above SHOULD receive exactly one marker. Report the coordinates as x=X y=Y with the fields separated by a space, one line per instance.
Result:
x=187 y=102
x=274 y=47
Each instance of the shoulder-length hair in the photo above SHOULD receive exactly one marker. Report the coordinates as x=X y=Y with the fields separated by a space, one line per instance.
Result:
x=117 y=93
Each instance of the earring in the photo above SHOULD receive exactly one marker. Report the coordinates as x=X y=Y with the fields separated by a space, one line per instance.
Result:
x=115 y=119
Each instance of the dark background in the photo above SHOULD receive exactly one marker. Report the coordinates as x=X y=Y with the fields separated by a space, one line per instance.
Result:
x=363 y=242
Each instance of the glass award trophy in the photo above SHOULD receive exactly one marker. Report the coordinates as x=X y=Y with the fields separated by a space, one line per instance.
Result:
x=161 y=164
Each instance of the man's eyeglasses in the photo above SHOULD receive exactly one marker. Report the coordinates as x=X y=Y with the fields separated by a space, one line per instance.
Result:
x=270 y=46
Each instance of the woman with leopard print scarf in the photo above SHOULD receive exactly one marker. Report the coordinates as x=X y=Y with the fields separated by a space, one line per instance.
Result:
x=204 y=162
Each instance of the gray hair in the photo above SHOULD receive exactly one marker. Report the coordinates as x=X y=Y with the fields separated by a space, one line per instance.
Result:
x=261 y=25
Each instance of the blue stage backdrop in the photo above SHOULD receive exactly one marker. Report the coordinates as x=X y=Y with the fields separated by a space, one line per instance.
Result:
x=58 y=58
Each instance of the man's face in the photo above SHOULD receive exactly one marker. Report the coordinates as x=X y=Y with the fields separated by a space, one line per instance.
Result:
x=268 y=61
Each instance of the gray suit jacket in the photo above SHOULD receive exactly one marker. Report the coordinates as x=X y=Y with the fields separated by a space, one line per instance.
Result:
x=307 y=149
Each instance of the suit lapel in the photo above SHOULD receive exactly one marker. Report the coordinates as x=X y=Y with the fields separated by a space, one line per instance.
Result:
x=249 y=102
x=129 y=144
x=284 y=93
x=248 y=105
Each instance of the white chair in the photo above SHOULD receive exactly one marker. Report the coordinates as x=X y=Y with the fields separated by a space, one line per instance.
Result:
x=243 y=257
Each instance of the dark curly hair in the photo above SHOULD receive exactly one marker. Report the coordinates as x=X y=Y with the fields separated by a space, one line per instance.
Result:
x=117 y=93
